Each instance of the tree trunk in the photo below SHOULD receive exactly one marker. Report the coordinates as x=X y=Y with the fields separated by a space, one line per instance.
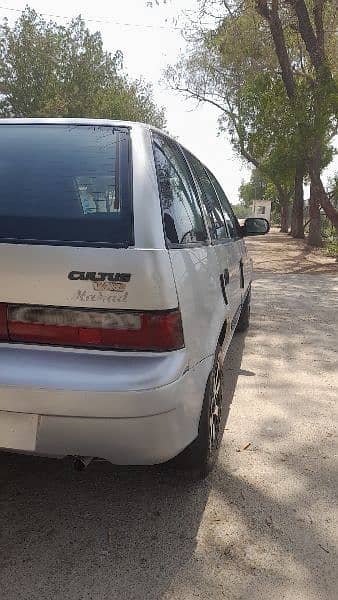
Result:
x=284 y=218
x=315 y=49
x=323 y=200
x=315 y=236
x=284 y=210
x=276 y=28
x=297 y=216
x=314 y=166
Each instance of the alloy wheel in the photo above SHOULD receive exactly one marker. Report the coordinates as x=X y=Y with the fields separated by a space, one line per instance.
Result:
x=215 y=407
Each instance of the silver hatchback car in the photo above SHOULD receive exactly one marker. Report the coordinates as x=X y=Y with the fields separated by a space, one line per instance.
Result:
x=124 y=275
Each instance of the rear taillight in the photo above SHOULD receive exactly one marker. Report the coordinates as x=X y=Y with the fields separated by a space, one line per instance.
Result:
x=110 y=330
x=3 y=322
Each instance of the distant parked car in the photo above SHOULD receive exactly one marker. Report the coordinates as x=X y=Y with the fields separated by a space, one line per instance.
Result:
x=124 y=276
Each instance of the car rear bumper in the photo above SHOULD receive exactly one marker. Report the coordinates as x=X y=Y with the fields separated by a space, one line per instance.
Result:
x=142 y=426
x=133 y=441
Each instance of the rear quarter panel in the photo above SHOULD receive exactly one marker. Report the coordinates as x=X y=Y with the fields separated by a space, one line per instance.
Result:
x=203 y=309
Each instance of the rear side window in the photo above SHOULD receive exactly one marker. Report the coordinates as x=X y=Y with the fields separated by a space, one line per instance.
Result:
x=218 y=229
x=182 y=217
x=230 y=219
x=65 y=184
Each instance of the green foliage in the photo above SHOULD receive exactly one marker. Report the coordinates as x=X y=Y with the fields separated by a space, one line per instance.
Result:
x=331 y=246
x=235 y=68
x=50 y=70
x=327 y=228
x=258 y=188
x=241 y=211
x=269 y=131
x=268 y=125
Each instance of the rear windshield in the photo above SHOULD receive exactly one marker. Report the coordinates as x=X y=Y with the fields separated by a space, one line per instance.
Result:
x=65 y=184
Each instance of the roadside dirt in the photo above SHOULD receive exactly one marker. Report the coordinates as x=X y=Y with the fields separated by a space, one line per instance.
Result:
x=287 y=255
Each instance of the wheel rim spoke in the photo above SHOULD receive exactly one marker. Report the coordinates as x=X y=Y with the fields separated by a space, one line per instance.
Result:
x=215 y=407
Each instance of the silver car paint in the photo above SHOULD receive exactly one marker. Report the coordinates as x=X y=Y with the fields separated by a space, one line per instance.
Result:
x=39 y=275
x=92 y=372
x=126 y=407
x=203 y=309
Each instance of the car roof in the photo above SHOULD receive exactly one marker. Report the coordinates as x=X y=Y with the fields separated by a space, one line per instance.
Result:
x=72 y=121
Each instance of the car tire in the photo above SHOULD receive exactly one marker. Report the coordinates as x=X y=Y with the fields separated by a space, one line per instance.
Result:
x=198 y=459
x=244 y=318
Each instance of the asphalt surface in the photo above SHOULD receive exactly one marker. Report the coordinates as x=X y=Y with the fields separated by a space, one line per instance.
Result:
x=264 y=526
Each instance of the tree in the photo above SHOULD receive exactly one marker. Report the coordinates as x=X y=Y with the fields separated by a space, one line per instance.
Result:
x=258 y=188
x=318 y=123
x=297 y=215
x=315 y=236
x=255 y=189
x=333 y=190
x=271 y=73
x=240 y=210
x=233 y=68
x=50 y=70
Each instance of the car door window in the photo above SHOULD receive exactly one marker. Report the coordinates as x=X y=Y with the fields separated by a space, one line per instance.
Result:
x=182 y=216
x=230 y=219
x=218 y=229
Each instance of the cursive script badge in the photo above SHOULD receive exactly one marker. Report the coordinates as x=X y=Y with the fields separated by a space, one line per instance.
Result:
x=107 y=299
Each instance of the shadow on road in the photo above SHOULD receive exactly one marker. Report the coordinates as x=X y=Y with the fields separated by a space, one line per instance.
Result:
x=280 y=253
x=109 y=532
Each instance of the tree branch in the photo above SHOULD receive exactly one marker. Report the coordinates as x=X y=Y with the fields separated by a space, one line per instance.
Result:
x=318 y=7
x=200 y=97
x=276 y=28
x=314 y=46
x=226 y=5
x=263 y=9
x=230 y=114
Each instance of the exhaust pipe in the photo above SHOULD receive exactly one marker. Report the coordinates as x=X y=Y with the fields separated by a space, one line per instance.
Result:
x=80 y=463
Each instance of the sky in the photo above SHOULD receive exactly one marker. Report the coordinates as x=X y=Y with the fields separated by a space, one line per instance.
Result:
x=150 y=39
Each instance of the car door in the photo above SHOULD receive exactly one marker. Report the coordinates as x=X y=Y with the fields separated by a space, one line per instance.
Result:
x=224 y=244
x=240 y=259
x=193 y=257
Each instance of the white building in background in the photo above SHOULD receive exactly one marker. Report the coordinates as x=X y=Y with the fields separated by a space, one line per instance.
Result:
x=261 y=208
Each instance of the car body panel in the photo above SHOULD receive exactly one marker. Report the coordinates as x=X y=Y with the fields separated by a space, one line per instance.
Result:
x=131 y=427
x=197 y=277
x=127 y=407
x=48 y=368
x=40 y=275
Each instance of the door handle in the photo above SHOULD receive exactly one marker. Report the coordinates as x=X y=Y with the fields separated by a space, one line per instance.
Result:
x=224 y=280
x=241 y=273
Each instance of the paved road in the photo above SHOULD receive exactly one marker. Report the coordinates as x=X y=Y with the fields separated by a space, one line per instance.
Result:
x=262 y=527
